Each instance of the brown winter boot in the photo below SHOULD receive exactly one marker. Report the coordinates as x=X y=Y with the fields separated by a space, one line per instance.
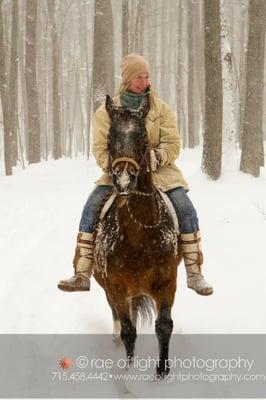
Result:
x=193 y=260
x=83 y=265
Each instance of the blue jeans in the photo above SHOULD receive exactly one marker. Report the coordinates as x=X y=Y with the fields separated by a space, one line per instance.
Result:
x=185 y=211
x=91 y=209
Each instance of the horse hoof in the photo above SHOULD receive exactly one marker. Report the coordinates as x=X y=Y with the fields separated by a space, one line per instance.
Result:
x=162 y=371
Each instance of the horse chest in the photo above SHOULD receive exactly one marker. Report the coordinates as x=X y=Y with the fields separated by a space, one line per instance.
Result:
x=128 y=246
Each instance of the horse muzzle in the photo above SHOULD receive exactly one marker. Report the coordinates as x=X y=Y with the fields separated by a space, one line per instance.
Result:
x=125 y=174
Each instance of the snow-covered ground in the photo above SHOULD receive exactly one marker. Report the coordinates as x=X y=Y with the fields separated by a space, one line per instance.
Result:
x=39 y=212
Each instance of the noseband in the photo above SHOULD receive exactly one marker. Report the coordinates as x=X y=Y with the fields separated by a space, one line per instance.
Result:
x=126 y=159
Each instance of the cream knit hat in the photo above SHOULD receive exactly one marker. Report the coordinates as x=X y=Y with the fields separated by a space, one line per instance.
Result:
x=132 y=65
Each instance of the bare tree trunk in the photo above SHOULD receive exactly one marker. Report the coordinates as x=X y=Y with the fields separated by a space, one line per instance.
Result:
x=242 y=75
x=56 y=115
x=190 y=88
x=252 y=156
x=89 y=86
x=31 y=83
x=181 y=119
x=139 y=28
x=170 y=83
x=13 y=86
x=4 y=99
x=23 y=110
x=237 y=27
x=199 y=76
x=125 y=27
x=45 y=93
x=164 y=61
x=152 y=38
x=103 y=59
x=229 y=121
x=212 y=143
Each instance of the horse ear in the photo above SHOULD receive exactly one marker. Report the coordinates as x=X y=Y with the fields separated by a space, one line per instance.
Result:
x=109 y=105
x=145 y=107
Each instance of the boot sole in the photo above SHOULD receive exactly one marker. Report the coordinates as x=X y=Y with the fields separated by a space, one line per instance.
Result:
x=207 y=293
x=72 y=289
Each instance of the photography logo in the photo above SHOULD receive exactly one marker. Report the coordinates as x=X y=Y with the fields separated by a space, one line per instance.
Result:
x=65 y=362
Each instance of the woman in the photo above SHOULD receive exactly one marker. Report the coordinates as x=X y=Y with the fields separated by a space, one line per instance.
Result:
x=164 y=137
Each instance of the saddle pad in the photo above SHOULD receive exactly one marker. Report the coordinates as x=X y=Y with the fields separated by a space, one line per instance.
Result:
x=171 y=209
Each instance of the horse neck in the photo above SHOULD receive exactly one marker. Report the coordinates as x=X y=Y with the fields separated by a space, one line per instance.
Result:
x=143 y=206
x=145 y=183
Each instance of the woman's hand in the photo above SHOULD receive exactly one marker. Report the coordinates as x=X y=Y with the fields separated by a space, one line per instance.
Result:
x=155 y=160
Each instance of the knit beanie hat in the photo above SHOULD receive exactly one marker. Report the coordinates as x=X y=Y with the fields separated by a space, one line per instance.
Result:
x=132 y=65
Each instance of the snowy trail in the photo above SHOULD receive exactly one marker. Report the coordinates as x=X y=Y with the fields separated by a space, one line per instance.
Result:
x=39 y=212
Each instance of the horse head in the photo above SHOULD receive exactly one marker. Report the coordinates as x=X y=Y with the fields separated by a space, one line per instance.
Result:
x=127 y=144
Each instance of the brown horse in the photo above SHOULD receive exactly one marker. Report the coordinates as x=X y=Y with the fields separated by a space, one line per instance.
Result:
x=136 y=249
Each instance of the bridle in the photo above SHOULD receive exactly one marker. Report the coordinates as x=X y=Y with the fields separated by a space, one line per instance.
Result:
x=128 y=160
x=137 y=167
x=139 y=193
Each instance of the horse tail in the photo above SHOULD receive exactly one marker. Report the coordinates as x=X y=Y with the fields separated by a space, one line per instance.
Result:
x=142 y=307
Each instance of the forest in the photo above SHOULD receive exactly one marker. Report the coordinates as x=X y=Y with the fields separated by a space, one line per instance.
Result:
x=59 y=59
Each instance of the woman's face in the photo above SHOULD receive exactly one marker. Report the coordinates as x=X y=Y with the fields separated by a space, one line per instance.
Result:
x=140 y=83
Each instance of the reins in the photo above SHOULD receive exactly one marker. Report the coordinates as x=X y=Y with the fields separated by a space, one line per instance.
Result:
x=146 y=226
x=138 y=193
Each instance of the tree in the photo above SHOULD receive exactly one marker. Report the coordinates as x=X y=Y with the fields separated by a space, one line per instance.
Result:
x=229 y=116
x=125 y=28
x=13 y=87
x=4 y=98
x=252 y=156
x=180 y=72
x=103 y=58
x=56 y=112
x=191 y=84
x=34 y=142
x=151 y=12
x=137 y=35
x=212 y=141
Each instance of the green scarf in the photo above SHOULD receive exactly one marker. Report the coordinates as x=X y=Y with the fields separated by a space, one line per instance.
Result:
x=132 y=100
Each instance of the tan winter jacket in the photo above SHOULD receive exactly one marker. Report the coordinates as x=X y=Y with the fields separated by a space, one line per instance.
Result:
x=163 y=135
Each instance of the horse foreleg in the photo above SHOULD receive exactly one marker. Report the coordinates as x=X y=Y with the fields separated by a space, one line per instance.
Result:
x=164 y=327
x=121 y=309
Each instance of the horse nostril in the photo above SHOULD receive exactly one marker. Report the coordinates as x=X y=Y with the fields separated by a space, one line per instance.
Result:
x=132 y=171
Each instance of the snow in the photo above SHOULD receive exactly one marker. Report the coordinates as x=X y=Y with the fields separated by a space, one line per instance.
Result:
x=124 y=180
x=40 y=209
